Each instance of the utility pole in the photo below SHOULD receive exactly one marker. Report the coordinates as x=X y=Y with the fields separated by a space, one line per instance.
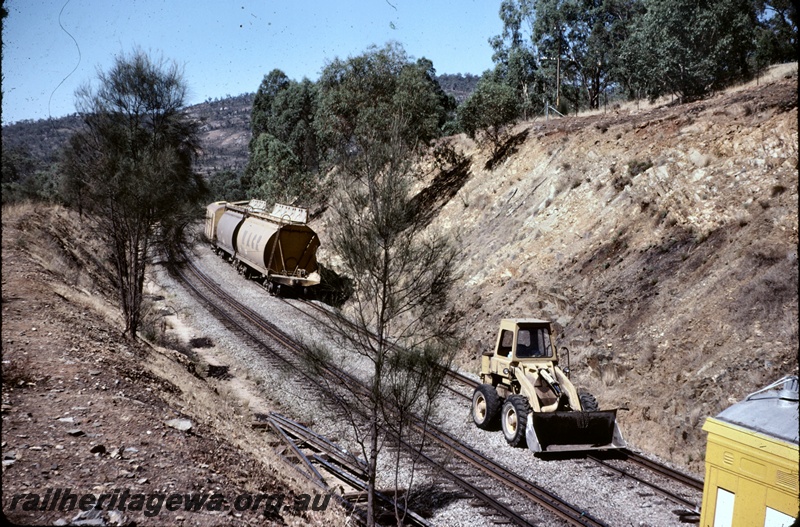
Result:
x=558 y=77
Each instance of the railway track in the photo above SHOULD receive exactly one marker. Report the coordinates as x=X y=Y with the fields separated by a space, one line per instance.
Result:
x=326 y=464
x=691 y=507
x=607 y=460
x=626 y=454
x=635 y=458
x=527 y=497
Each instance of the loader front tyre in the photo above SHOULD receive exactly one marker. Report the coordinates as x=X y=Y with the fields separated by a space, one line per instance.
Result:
x=485 y=406
x=515 y=419
x=588 y=402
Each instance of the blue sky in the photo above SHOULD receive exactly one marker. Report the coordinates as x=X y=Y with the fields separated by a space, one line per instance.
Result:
x=226 y=47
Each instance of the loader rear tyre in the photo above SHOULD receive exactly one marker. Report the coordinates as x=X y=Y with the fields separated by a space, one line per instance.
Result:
x=485 y=406
x=588 y=402
x=515 y=419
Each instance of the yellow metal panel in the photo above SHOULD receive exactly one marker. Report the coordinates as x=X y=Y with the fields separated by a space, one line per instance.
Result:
x=749 y=509
x=786 y=503
x=751 y=439
x=759 y=470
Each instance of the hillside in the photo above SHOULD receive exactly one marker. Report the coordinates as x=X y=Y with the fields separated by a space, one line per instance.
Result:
x=662 y=239
x=224 y=127
x=224 y=133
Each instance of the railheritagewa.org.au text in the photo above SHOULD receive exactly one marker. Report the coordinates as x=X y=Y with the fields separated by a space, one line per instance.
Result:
x=154 y=503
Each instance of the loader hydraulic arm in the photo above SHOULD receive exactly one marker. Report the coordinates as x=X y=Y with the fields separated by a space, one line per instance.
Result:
x=527 y=378
x=551 y=382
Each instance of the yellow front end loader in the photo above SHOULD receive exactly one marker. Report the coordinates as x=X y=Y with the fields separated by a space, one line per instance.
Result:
x=537 y=404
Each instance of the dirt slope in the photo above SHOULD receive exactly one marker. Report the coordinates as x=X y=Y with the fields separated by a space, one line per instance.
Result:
x=86 y=410
x=662 y=240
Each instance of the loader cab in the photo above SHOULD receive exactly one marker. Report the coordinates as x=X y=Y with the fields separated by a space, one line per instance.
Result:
x=534 y=342
x=521 y=340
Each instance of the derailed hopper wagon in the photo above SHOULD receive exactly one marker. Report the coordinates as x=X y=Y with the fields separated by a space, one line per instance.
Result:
x=535 y=400
x=277 y=249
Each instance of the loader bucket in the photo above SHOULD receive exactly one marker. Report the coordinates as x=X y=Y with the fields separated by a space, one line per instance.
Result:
x=565 y=431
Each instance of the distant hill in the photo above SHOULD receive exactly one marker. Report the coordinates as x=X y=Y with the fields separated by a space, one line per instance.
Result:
x=41 y=140
x=224 y=130
x=458 y=85
x=224 y=134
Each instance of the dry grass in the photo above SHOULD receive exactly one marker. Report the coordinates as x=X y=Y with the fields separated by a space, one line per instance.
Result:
x=773 y=73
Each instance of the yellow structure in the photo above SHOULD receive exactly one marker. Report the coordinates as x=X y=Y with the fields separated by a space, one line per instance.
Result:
x=752 y=461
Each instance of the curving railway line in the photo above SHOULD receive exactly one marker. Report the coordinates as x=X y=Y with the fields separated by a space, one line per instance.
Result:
x=507 y=494
x=626 y=454
x=526 y=492
x=669 y=477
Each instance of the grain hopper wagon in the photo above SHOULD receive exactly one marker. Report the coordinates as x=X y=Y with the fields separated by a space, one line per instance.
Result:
x=277 y=249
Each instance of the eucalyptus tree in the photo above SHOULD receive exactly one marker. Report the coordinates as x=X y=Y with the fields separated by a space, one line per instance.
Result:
x=284 y=154
x=131 y=168
x=552 y=47
x=688 y=49
x=516 y=63
x=367 y=94
x=776 y=32
x=490 y=109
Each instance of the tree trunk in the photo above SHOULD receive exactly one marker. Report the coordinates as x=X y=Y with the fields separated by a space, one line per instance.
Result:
x=373 y=464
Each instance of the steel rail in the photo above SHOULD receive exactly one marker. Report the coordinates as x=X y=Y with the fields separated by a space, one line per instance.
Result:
x=633 y=457
x=322 y=443
x=271 y=331
x=667 y=494
x=535 y=493
x=501 y=474
x=639 y=459
x=343 y=469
